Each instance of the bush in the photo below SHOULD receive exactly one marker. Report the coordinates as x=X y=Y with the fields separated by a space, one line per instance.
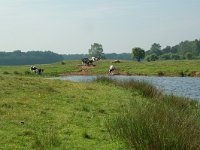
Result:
x=16 y=72
x=6 y=72
x=161 y=73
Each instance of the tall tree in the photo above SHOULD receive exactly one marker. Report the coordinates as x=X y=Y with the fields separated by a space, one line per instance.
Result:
x=138 y=53
x=156 y=49
x=96 y=50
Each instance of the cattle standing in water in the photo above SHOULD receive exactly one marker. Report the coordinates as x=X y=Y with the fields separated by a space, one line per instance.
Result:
x=36 y=70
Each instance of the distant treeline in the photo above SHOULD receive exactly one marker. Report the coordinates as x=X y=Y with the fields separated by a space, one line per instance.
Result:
x=183 y=50
x=122 y=56
x=27 y=58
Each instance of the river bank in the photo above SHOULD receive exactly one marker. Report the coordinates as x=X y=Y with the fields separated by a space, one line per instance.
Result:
x=158 y=68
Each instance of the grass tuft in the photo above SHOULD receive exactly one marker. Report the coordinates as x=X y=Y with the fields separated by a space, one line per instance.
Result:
x=156 y=122
x=46 y=139
x=161 y=73
x=86 y=135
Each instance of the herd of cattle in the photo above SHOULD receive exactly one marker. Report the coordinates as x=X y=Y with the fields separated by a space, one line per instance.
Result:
x=88 y=62
x=85 y=61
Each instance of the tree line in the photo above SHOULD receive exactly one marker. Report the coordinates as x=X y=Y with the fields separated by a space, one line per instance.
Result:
x=183 y=50
x=27 y=58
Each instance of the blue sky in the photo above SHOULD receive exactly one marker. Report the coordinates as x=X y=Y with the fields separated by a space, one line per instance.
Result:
x=71 y=26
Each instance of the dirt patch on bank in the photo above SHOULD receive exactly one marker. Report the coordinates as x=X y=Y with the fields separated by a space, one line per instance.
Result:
x=84 y=71
x=195 y=74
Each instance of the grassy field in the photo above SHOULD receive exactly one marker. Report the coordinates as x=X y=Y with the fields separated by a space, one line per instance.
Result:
x=38 y=113
x=165 y=68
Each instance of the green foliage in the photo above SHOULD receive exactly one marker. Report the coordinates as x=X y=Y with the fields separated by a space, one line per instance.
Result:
x=188 y=55
x=161 y=73
x=175 y=57
x=138 y=53
x=6 y=72
x=26 y=58
x=166 y=56
x=96 y=50
x=155 y=49
x=152 y=57
x=183 y=50
x=158 y=122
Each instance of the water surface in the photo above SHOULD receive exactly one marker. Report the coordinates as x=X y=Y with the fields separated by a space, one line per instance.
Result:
x=180 y=86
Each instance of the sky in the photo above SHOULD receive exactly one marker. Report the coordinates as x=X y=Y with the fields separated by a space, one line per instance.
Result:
x=71 y=26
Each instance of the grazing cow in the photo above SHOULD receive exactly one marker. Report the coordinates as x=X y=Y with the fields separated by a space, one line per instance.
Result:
x=87 y=61
x=39 y=71
x=36 y=70
x=116 y=61
x=33 y=68
x=95 y=59
x=112 y=69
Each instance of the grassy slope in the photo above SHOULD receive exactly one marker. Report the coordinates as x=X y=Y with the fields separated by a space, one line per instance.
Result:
x=41 y=113
x=169 y=68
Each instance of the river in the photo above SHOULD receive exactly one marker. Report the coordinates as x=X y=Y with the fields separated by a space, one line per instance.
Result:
x=180 y=86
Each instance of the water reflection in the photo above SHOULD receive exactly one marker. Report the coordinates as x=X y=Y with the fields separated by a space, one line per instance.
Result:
x=181 y=86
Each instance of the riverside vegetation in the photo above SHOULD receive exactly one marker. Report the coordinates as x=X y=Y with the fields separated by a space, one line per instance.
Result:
x=38 y=113
x=160 y=68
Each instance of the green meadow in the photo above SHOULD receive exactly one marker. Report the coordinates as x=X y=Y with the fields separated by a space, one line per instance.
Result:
x=39 y=113
x=165 y=68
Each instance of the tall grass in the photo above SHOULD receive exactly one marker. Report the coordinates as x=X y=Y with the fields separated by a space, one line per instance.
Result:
x=46 y=139
x=158 y=121
x=144 y=88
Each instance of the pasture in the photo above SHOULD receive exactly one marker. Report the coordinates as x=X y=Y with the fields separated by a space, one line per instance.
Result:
x=38 y=113
x=161 y=68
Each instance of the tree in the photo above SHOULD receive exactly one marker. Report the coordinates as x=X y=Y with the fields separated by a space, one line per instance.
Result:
x=96 y=50
x=166 y=56
x=152 y=57
x=138 y=53
x=156 y=49
x=188 y=55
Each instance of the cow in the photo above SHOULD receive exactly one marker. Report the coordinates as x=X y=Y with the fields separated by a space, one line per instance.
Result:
x=95 y=59
x=87 y=61
x=112 y=69
x=39 y=71
x=36 y=70
x=33 y=68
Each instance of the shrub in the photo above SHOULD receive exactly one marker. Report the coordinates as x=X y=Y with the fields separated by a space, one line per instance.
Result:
x=6 y=72
x=182 y=74
x=16 y=72
x=161 y=73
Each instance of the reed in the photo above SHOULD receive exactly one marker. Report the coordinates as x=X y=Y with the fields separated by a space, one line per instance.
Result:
x=158 y=121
